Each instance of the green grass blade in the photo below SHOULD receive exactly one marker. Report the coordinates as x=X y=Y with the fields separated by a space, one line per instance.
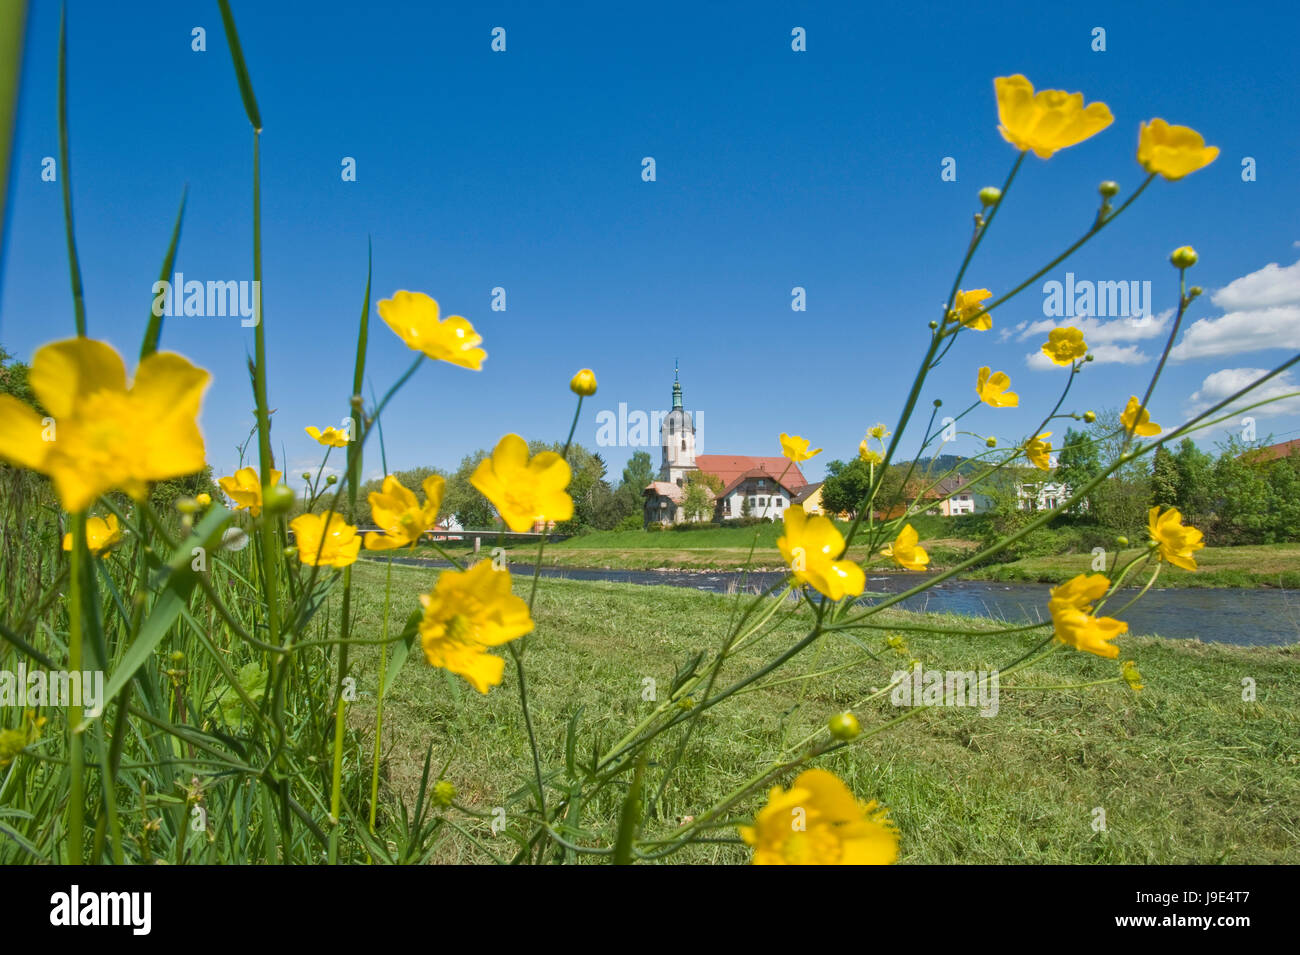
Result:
x=241 y=68
x=13 y=21
x=65 y=176
x=154 y=330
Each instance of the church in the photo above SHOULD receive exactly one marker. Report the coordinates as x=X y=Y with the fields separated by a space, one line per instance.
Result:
x=751 y=485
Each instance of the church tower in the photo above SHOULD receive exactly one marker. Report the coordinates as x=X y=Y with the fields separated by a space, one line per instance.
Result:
x=677 y=438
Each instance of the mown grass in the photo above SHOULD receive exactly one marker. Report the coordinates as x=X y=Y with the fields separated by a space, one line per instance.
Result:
x=1184 y=770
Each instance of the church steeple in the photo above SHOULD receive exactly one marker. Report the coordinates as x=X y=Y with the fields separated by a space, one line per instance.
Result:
x=677 y=389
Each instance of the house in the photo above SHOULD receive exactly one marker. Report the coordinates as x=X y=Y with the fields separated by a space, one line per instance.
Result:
x=1273 y=452
x=772 y=480
x=755 y=492
x=1046 y=495
x=809 y=497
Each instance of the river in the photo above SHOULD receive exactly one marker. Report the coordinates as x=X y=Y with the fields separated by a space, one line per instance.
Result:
x=1219 y=614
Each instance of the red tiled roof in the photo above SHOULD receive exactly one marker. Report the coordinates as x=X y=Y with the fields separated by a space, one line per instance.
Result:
x=728 y=467
x=1275 y=451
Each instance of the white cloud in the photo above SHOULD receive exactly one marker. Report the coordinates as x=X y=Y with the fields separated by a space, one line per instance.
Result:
x=1228 y=381
x=1262 y=310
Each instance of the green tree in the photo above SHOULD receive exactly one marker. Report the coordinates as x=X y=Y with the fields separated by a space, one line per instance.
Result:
x=700 y=495
x=631 y=489
x=463 y=500
x=1195 y=492
x=1078 y=463
x=1164 y=479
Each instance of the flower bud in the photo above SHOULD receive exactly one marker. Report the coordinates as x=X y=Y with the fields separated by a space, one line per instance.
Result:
x=991 y=441
x=990 y=195
x=356 y=402
x=1183 y=257
x=289 y=551
x=1090 y=416
x=844 y=726
x=1121 y=541
x=306 y=475
x=277 y=498
x=186 y=505
x=332 y=479
x=933 y=326
x=1194 y=291
x=204 y=500
x=444 y=793
x=938 y=403
x=1109 y=189
x=584 y=383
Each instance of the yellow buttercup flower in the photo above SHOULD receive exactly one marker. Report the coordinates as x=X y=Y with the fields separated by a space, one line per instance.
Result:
x=102 y=533
x=395 y=509
x=524 y=491
x=869 y=454
x=796 y=448
x=1039 y=451
x=1064 y=345
x=1046 y=121
x=584 y=383
x=878 y=431
x=100 y=434
x=906 y=551
x=1138 y=423
x=244 y=487
x=966 y=309
x=1070 y=606
x=465 y=614
x=325 y=545
x=14 y=741
x=414 y=317
x=819 y=822
x=1178 y=542
x=1173 y=151
x=810 y=546
x=203 y=500
x=992 y=389
x=331 y=437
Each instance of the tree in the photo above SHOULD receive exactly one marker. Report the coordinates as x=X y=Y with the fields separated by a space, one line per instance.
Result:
x=846 y=486
x=1164 y=479
x=1122 y=500
x=1195 y=482
x=700 y=496
x=1078 y=463
x=463 y=500
x=636 y=476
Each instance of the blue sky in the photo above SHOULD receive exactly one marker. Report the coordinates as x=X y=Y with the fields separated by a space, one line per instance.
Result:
x=775 y=169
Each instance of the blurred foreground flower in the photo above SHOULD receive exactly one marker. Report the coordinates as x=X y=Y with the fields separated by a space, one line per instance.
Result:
x=402 y=519
x=1047 y=121
x=332 y=544
x=810 y=546
x=819 y=822
x=102 y=533
x=525 y=491
x=796 y=448
x=1177 y=542
x=466 y=613
x=413 y=316
x=1173 y=151
x=13 y=742
x=101 y=435
x=244 y=487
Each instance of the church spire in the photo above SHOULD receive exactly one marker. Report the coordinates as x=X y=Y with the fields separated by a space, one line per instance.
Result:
x=677 y=389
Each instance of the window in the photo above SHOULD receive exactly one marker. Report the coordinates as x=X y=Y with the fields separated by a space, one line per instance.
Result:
x=762 y=484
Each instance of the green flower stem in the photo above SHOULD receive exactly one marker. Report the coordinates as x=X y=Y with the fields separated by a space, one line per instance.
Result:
x=337 y=783
x=76 y=741
x=379 y=702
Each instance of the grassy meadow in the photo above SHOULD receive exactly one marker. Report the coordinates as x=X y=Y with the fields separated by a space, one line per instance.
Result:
x=1185 y=771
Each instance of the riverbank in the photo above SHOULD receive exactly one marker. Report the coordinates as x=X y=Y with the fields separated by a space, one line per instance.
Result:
x=1185 y=770
x=736 y=549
